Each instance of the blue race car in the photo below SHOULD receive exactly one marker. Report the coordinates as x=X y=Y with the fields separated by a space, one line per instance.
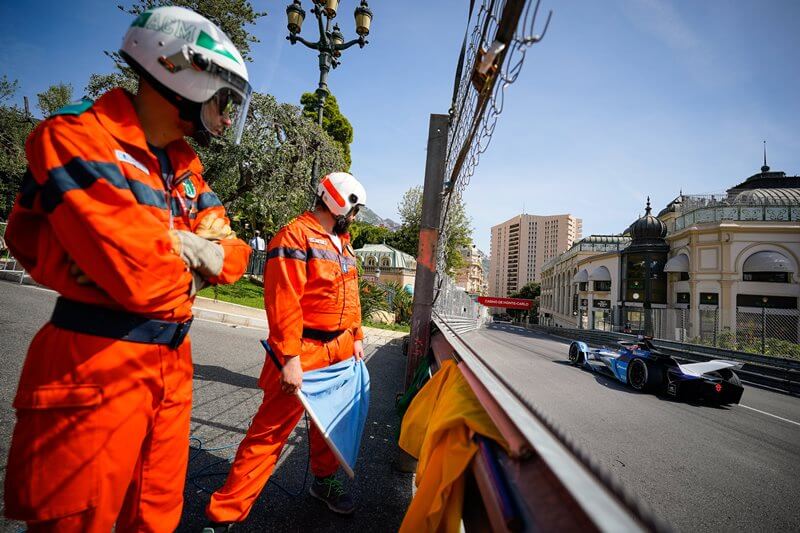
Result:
x=640 y=365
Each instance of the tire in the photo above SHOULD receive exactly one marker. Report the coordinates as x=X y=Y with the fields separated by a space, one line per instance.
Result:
x=575 y=355
x=638 y=374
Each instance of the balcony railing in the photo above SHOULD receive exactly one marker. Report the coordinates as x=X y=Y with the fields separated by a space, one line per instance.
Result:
x=720 y=211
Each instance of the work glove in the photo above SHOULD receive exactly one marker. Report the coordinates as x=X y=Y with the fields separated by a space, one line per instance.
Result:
x=200 y=255
x=80 y=276
x=214 y=228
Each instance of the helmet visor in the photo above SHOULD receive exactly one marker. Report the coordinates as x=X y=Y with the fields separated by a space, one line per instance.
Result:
x=225 y=110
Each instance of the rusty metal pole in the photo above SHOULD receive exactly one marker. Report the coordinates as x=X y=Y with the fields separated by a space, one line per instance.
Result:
x=428 y=238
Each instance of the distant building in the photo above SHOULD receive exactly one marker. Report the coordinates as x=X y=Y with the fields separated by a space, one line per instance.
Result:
x=520 y=246
x=571 y=283
x=383 y=263
x=718 y=269
x=472 y=277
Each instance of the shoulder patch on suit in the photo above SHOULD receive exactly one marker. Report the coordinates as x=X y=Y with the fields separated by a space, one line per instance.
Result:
x=74 y=108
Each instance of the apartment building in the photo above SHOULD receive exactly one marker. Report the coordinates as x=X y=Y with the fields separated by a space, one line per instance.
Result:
x=473 y=277
x=522 y=245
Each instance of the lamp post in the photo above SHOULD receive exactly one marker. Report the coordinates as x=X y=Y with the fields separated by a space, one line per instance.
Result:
x=330 y=45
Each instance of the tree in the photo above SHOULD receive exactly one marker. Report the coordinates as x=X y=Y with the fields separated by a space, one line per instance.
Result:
x=54 y=98
x=266 y=180
x=530 y=291
x=402 y=302
x=102 y=83
x=15 y=126
x=8 y=88
x=458 y=231
x=333 y=122
x=362 y=233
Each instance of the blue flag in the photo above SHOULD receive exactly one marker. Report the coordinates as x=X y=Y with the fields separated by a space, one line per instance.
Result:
x=337 y=400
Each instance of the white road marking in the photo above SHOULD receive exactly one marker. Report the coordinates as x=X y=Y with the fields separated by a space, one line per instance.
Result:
x=770 y=414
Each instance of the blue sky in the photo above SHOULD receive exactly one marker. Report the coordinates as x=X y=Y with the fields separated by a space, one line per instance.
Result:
x=623 y=99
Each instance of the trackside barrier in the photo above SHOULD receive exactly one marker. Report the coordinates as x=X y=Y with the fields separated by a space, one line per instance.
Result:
x=775 y=372
x=10 y=270
x=555 y=485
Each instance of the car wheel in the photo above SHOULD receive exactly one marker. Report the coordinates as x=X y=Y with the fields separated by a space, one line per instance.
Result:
x=575 y=355
x=637 y=374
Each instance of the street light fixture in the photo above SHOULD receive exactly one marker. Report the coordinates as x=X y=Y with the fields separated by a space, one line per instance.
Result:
x=295 y=15
x=330 y=44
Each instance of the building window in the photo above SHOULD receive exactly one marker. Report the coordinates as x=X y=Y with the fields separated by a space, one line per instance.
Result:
x=683 y=298
x=684 y=276
x=769 y=277
x=582 y=285
x=386 y=262
x=371 y=261
x=604 y=286
x=771 y=302
x=709 y=298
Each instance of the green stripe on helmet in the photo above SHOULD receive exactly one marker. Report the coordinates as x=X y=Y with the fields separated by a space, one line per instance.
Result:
x=206 y=41
x=141 y=20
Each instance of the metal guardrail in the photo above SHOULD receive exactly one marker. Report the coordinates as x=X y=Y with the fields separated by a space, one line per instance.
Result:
x=565 y=489
x=775 y=372
x=255 y=267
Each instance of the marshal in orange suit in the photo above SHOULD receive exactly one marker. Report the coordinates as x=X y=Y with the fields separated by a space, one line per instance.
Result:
x=115 y=216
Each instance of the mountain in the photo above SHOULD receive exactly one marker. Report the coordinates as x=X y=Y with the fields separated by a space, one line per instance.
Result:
x=365 y=214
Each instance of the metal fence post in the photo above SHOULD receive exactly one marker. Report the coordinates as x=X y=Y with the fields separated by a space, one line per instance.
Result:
x=428 y=238
x=763 y=328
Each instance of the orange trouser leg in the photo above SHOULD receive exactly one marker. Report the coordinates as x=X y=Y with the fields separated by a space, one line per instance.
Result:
x=155 y=496
x=323 y=461
x=273 y=423
x=85 y=406
x=256 y=457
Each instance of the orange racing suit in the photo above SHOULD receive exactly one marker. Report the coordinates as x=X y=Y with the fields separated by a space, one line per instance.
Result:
x=313 y=310
x=102 y=423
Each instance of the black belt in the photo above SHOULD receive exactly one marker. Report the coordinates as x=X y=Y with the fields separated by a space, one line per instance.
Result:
x=103 y=322
x=320 y=334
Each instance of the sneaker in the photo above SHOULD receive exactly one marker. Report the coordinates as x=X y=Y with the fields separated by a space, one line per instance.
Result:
x=217 y=527
x=331 y=491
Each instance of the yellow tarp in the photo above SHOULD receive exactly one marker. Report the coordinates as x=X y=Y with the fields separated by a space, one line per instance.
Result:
x=437 y=429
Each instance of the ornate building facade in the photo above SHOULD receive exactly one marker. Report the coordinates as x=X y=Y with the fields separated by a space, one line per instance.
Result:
x=718 y=269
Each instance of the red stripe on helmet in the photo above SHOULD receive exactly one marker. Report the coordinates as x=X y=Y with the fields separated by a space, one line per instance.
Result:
x=333 y=192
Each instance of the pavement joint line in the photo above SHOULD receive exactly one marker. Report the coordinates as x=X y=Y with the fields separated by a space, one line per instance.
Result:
x=770 y=414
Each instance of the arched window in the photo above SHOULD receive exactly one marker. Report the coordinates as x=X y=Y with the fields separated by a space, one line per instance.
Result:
x=386 y=262
x=371 y=261
x=769 y=266
x=601 y=279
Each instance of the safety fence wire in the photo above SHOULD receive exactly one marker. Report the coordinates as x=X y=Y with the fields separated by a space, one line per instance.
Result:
x=491 y=59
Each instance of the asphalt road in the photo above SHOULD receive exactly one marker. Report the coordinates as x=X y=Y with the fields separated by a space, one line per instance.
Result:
x=227 y=362
x=700 y=468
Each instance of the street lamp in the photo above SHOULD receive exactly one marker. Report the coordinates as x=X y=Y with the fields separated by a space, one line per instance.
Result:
x=330 y=44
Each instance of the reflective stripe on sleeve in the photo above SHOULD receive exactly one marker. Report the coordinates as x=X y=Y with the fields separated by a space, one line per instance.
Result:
x=286 y=253
x=206 y=200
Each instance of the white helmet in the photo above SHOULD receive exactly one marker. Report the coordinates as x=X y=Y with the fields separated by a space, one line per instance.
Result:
x=192 y=63
x=341 y=193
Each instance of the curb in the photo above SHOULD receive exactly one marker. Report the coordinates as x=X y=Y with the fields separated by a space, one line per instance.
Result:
x=229 y=318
